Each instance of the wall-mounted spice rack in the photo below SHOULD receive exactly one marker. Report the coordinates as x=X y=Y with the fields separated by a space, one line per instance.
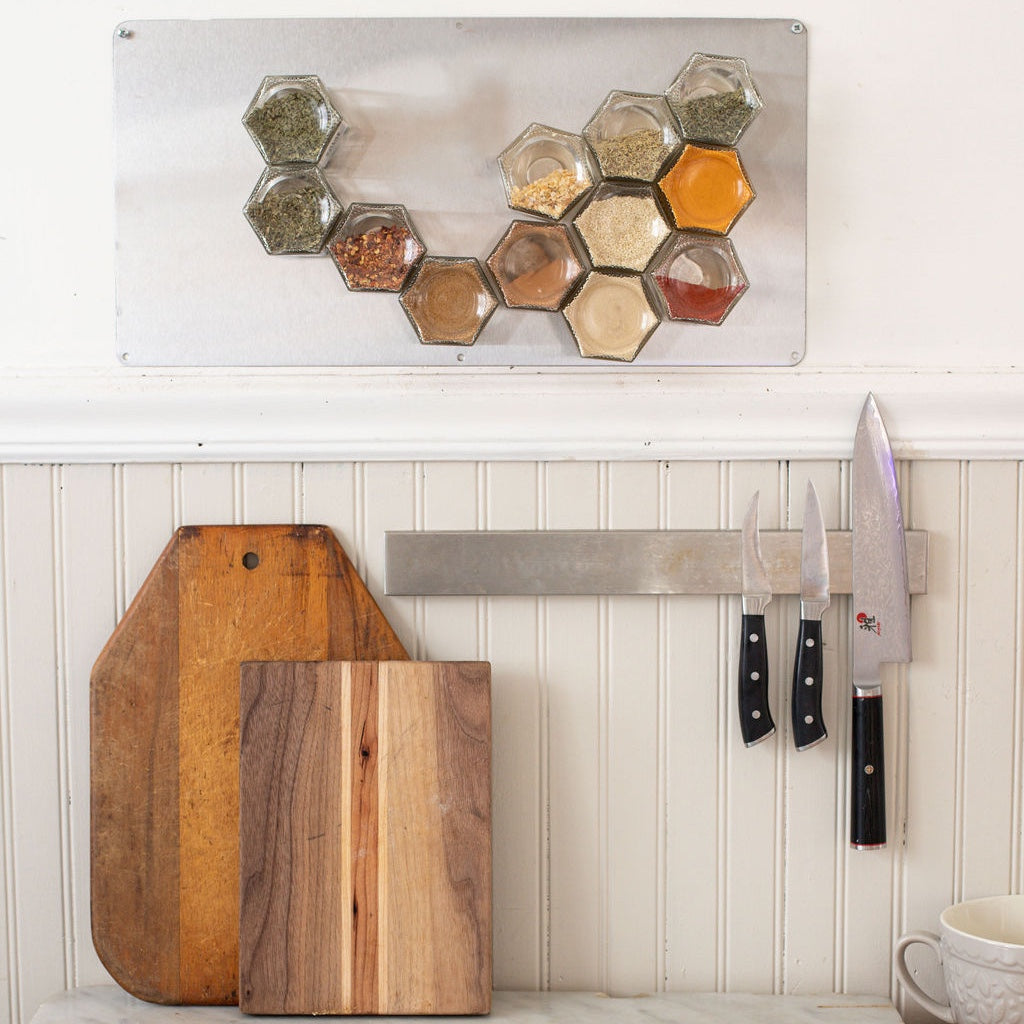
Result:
x=195 y=288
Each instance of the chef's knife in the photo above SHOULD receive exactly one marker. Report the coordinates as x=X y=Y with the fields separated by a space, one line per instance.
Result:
x=808 y=724
x=881 y=610
x=755 y=716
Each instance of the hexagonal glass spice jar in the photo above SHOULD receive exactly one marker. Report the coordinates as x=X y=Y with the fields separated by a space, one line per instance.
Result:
x=611 y=316
x=621 y=226
x=535 y=265
x=292 y=119
x=545 y=171
x=375 y=247
x=714 y=99
x=707 y=189
x=699 y=278
x=632 y=135
x=292 y=210
x=448 y=300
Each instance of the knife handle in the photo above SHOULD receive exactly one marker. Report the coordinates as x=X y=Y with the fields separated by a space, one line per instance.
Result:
x=808 y=724
x=867 y=778
x=755 y=716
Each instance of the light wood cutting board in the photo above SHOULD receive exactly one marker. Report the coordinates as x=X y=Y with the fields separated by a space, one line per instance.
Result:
x=365 y=844
x=165 y=746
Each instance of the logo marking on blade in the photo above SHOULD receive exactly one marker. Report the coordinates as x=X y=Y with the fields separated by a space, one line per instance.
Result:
x=869 y=623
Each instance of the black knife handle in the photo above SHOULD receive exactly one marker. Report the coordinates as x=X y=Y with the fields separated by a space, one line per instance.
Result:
x=867 y=778
x=808 y=724
x=755 y=716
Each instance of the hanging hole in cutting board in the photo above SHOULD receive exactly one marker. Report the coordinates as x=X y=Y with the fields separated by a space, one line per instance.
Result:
x=250 y=559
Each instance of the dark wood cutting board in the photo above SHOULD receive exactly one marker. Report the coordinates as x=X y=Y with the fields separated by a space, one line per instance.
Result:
x=365 y=838
x=165 y=741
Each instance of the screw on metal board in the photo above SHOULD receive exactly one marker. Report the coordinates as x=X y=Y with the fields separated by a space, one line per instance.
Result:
x=124 y=33
x=796 y=28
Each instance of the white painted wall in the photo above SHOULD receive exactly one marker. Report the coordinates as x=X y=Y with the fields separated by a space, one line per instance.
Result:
x=638 y=844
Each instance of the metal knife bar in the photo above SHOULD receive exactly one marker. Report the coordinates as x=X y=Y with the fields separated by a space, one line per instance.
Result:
x=537 y=562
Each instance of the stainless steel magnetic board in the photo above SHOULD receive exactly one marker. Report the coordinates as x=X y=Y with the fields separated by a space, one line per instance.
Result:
x=431 y=102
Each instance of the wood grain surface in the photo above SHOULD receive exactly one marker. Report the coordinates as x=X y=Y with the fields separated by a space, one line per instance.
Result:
x=165 y=746
x=365 y=838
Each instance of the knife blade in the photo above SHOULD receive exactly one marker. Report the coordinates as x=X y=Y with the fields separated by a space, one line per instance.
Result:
x=881 y=610
x=756 y=722
x=808 y=723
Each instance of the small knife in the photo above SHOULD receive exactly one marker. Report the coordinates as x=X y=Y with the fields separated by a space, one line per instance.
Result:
x=808 y=723
x=755 y=716
x=881 y=609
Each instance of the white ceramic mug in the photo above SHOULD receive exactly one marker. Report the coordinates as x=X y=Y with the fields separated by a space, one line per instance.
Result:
x=981 y=950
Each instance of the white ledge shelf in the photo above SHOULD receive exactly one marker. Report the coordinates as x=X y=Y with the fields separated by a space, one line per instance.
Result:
x=106 y=1004
x=215 y=415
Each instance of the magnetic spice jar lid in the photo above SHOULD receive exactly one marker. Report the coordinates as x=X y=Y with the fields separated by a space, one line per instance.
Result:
x=621 y=226
x=448 y=300
x=375 y=247
x=707 y=189
x=632 y=135
x=611 y=316
x=714 y=99
x=292 y=210
x=292 y=119
x=535 y=265
x=545 y=171
x=699 y=278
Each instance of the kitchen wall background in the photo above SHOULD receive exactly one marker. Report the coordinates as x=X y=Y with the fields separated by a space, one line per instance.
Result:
x=638 y=844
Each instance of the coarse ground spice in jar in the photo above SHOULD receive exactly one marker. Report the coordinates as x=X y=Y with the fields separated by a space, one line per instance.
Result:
x=621 y=229
x=292 y=125
x=378 y=259
x=716 y=116
x=611 y=316
x=638 y=154
x=550 y=195
x=448 y=300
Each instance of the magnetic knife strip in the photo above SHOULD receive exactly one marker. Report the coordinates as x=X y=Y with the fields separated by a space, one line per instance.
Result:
x=564 y=562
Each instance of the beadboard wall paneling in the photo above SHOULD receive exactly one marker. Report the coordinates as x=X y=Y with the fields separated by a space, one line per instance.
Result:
x=638 y=845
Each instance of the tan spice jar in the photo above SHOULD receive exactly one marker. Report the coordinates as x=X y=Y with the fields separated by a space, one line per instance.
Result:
x=448 y=301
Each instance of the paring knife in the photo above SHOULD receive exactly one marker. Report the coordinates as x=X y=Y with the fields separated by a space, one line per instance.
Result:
x=755 y=716
x=881 y=610
x=808 y=724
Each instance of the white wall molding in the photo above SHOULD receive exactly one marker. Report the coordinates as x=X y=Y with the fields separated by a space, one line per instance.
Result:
x=217 y=415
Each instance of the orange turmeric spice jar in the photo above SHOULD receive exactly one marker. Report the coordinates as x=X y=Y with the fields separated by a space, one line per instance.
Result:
x=706 y=189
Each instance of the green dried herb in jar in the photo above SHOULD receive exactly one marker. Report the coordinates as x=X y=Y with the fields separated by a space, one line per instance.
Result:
x=716 y=116
x=638 y=154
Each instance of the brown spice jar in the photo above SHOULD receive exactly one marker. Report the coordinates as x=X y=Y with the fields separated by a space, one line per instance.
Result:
x=448 y=301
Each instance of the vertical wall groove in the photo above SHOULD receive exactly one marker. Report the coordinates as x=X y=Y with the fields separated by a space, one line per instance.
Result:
x=960 y=759
x=10 y=865
x=722 y=763
x=60 y=645
x=544 y=751
x=1017 y=789
x=661 y=784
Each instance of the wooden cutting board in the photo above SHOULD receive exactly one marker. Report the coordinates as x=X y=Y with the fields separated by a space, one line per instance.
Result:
x=165 y=746
x=365 y=831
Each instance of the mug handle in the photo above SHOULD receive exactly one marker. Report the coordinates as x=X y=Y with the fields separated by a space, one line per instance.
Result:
x=940 y=1010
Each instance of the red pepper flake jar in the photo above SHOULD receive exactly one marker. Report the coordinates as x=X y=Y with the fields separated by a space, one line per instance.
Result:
x=699 y=278
x=375 y=247
x=448 y=300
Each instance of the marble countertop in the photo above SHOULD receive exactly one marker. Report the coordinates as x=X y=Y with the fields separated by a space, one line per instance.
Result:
x=107 y=1004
